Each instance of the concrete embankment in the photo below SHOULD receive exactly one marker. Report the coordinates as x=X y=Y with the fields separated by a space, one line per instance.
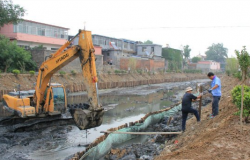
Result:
x=73 y=83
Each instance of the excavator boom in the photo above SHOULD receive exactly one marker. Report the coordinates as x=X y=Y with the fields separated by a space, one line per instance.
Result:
x=46 y=94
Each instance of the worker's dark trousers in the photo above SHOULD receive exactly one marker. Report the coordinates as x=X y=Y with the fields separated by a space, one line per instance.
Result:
x=215 y=105
x=185 y=115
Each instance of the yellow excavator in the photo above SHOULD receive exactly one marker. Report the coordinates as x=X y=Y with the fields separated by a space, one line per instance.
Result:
x=50 y=99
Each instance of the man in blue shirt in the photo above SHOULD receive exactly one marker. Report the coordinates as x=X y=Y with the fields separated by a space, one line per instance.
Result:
x=216 y=92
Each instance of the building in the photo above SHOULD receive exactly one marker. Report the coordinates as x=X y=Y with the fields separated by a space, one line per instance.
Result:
x=201 y=56
x=29 y=34
x=208 y=65
x=192 y=65
x=98 y=55
x=149 y=50
x=114 y=48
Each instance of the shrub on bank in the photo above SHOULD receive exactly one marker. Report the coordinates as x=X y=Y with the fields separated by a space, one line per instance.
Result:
x=62 y=73
x=120 y=71
x=16 y=72
x=32 y=73
x=192 y=71
x=73 y=72
x=236 y=94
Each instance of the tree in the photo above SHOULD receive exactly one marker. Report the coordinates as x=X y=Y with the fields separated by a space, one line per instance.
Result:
x=196 y=59
x=186 y=51
x=232 y=66
x=148 y=42
x=216 y=52
x=10 y=13
x=14 y=57
x=174 y=58
x=244 y=62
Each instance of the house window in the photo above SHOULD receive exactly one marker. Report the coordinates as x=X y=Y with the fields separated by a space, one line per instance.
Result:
x=125 y=45
x=54 y=49
x=152 y=49
x=131 y=46
x=143 y=49
x=119 y=44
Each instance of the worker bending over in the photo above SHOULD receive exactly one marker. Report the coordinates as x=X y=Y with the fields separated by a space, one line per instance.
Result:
x=187 y=107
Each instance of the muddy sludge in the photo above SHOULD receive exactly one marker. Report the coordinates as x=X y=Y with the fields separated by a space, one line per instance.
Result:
x=152 y=144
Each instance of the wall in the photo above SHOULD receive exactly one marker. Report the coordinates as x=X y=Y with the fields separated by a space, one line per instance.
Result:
x=7 y=30
x=104 y=42
x=208 y=65
x=39 y=55
x=143 y=63
x=34 y=44
x=157 y=50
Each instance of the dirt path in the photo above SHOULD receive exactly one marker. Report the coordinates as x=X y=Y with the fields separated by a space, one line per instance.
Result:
x=217 y=138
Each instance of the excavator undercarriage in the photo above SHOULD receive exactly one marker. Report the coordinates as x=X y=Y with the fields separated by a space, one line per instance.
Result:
x=49 y=100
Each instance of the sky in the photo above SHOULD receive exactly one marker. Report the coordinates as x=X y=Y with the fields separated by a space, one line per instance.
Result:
x=177 y=23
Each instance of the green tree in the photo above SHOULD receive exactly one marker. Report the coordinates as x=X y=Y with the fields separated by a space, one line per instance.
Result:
x=216 y=52
x=14 y=57
x=186 y=51
x=174 y=58
x=10 y=13
x=196 y=59
x=148 y=42
x=232 y=66
x=244 y=61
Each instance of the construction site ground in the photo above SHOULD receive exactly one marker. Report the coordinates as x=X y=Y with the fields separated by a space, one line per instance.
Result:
x=211 y=139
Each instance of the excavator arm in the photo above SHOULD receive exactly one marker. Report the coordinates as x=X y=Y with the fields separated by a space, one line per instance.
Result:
x=84 y=118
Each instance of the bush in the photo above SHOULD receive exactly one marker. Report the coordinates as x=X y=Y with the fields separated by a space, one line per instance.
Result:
x=32 y=73
x=238 y=75
x=16 y=72
x=120 y=71
x=62 y=73
x=192 y=71
x=117 y=71
x=109 y=72
x=139 y=71
x=73 y=72
x=236 y=93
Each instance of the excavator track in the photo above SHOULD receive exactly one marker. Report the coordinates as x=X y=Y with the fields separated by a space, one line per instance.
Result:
x=15 y=124
x=18 y=124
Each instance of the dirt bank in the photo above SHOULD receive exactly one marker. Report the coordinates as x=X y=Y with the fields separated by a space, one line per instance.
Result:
x=73 y=83
x=217 y=138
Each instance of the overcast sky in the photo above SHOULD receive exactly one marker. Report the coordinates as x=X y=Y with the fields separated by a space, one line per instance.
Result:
x=177 y=23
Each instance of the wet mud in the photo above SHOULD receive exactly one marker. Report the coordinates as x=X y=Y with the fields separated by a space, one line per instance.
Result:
x=60 y=140
x=152 y=144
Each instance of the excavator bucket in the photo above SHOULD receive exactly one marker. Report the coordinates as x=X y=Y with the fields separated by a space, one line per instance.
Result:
x=86 y=119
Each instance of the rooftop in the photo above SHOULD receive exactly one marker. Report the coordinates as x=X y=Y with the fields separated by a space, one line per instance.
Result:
x=106 y=36
x=148 y=45
x=45 y=24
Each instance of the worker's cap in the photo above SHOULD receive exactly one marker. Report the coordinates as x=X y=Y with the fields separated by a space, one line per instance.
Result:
x=188 y=89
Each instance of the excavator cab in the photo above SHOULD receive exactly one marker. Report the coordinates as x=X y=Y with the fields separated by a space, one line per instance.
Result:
x=55 y=99
x=50 y=98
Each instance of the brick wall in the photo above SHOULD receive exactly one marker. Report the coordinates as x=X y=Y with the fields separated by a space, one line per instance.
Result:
x=39 y=55
x=141 y=63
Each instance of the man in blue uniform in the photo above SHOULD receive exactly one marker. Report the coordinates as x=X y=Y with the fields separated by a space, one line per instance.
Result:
x=216 y=92
x=187 y=106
